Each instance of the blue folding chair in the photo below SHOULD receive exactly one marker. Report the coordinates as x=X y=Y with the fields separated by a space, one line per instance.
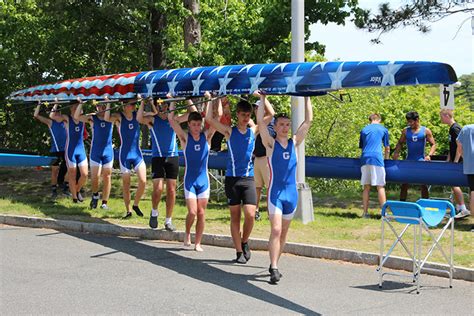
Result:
x=421 y=215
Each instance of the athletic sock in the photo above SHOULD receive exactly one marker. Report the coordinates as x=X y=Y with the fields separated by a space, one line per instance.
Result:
x=154 y=212
x=95 y=195
x=168 y=220
x=462 y=207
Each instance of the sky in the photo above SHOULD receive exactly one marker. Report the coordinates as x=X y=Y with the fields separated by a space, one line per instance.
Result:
x=347 y=43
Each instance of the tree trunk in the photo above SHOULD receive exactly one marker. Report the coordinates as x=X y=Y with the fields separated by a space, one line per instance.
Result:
x=156 y=52
x=156 y=55
x=192 y=27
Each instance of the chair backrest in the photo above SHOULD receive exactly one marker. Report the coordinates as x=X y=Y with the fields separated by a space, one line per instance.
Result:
x=405 y=209
x=433 y=211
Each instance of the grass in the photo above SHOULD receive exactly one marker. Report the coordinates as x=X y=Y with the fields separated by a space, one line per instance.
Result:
x=337 y=217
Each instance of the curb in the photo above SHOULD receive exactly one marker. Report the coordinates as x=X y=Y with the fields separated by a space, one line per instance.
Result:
x=305 y=250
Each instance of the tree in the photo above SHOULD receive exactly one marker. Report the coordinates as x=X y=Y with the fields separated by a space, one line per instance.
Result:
x=192 y=27
x=466 y=90
x=47 y=41
x=416 y=13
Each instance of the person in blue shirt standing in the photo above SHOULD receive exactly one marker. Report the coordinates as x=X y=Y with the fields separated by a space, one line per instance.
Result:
x=58 y=142
x=101 y=152
x=416 y=137
x=372 y=161
x=465 y=150
x=282 y=191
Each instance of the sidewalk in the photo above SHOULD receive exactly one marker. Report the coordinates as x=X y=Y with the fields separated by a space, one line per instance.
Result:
x=306 y=250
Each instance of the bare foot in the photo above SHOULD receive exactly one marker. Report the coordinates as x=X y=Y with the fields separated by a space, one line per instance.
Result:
x=198 y=248
x=187 y=241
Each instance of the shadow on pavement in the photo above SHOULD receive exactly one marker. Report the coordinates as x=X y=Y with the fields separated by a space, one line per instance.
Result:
x=201 y=270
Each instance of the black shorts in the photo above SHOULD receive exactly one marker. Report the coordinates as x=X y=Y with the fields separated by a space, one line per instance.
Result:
x=59 y=158
x=164 y=167
x=240 y=190
x=470 y=182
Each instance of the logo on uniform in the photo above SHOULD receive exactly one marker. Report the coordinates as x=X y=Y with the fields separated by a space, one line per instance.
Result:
x=286 y=155
x=77 y=129
x=414 y=138
x=102 y=124
x=130 y=126
x=197 y=147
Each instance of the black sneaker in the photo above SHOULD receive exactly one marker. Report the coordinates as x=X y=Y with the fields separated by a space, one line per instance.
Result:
x=66 y=190
x=246 y=250
x=128 y=215
x=79 y=197
x=240 y=258
x=137 y=210
x=270 y=271
x=258 y=216
x=169 y=227
x=54 y=194
x=153 y=222
x=94 y=202
x=274 y=276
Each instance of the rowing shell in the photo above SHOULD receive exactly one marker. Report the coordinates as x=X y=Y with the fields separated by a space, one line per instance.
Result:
x=299 y=79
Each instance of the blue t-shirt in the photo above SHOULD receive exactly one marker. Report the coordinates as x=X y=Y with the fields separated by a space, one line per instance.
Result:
x=466 y=138
x=241 y=148
x=163 y=139
x=58 y=136
x=370 y=139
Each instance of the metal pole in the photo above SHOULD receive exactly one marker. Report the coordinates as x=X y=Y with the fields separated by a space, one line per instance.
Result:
x=305 y=202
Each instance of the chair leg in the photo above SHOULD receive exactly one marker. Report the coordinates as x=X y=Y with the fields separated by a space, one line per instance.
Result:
x=451 y=255
x=420 y=240
x=381 y=255
x=414 y=253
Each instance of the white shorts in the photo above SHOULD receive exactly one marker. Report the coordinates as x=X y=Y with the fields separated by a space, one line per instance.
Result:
x=372 y=175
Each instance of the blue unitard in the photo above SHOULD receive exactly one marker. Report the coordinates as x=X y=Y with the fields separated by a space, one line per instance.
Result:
x=196 y=178
x=75 y=151
x=416 y=144
x=130 y=155
x=282 y=192
x=102 y=153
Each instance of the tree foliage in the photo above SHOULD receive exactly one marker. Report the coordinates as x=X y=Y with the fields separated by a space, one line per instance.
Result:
x=466 y=90
x=46 y=41
x=417 y=13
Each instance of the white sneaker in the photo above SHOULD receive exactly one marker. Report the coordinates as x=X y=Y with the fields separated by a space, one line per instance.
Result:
x=462 y=214
x=104 y=207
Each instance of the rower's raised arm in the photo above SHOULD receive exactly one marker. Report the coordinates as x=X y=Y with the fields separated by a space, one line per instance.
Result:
x=221 y=128
x=79 y=116
x=175 y=125
x=308 y=119
x=267 y=140
x=41 y=118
